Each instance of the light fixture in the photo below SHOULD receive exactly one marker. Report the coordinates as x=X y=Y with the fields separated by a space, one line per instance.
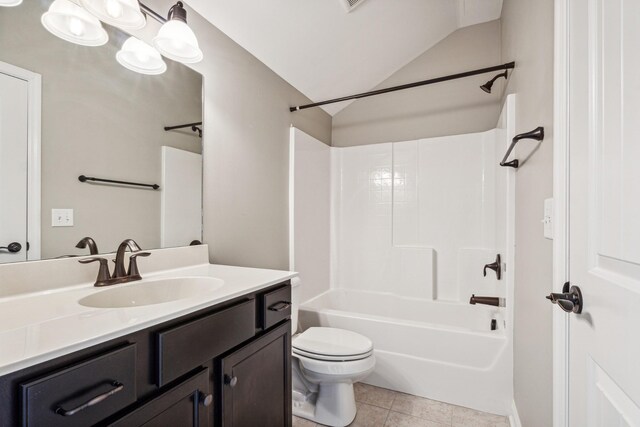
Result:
x=10 y=3
x=176 y=40
x=74 y=24
x=138 y=56
x=123 y=14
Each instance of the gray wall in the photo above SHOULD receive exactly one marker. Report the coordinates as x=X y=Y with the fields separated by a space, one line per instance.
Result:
x=527 y=38
x=246 y=148
x=99 y=119
x=447 y=108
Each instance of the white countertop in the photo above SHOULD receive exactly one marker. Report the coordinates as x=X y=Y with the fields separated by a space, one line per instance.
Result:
x=41 y=326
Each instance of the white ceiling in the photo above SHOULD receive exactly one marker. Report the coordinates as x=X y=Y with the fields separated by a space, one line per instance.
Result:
x=325 y=52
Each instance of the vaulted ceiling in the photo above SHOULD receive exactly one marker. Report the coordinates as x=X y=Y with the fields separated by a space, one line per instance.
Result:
x=326 y=52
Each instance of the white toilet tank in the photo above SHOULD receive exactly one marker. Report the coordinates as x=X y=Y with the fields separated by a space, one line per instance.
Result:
x=295 y=302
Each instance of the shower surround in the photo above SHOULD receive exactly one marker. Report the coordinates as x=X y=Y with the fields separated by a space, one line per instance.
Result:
x=412 y=225
x=419 y=214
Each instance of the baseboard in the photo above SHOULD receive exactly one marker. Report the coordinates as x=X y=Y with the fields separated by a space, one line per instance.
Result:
x=514 y=418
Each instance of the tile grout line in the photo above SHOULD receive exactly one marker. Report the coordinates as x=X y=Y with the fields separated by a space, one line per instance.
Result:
x=386 y=418
x=395 y=396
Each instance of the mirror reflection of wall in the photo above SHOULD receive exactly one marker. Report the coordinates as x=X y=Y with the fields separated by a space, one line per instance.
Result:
x=98 y=119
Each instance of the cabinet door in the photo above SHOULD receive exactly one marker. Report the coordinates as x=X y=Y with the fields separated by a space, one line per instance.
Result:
x=185 y=404
x=256 y=388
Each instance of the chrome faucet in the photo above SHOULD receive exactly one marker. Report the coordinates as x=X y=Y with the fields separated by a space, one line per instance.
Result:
x=119 y=274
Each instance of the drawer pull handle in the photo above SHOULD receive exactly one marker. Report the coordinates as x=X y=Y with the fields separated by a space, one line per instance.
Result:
x=280 y=306
x=94 y=401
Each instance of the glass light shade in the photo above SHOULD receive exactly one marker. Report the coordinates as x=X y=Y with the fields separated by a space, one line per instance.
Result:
x=123 y=14
x=74 y=24
x=10 y=3
x=176 y=41
x=138 y=56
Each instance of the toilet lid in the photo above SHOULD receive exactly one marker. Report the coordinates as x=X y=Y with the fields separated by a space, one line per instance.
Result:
x=332 y=342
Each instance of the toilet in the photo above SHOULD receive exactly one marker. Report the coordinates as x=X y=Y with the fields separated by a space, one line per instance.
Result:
x=326 y=364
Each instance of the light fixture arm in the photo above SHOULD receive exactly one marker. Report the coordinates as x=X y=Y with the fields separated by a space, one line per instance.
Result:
x=152 y=13
x=177 y=12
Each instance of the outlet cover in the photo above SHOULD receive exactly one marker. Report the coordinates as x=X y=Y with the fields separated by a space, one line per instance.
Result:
x=62 y=217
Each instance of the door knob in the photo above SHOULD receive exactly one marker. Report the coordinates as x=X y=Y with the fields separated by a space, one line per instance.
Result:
x=495 y=266
x=12 y=247
x=570 y=300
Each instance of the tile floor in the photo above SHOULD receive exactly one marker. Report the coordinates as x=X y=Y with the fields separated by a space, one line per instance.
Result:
x=379 y=407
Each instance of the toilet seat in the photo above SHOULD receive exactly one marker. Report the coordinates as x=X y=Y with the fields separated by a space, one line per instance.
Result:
x=332 y=344
x=335 y=371
x=329 y=358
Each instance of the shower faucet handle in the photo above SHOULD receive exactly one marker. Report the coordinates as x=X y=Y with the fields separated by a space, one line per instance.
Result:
x=495 y=266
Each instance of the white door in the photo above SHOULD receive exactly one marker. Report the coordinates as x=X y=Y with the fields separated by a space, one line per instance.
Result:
x=604 y=212
x=13 y=168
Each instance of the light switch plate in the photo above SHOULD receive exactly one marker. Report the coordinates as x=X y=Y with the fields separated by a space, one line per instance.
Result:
x=547 y=220
x=62 y=217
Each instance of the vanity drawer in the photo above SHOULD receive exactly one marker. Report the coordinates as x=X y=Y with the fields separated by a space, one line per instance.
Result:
x=185 y=347
x=276 y=306
x=82 y=394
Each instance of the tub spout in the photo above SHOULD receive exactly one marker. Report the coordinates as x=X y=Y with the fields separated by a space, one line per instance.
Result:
x=486 y=301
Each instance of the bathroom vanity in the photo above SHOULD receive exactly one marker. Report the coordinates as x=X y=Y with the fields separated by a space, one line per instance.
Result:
x=222 y=358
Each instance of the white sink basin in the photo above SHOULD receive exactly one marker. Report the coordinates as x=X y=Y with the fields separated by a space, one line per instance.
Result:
x=151 y=292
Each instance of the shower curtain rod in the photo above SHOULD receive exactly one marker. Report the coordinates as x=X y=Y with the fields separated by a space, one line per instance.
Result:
x=507 y=66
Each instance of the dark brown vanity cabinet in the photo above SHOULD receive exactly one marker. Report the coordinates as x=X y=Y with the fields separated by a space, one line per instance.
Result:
x=276 y=306
x=255 y=386
x=184 y=404
x=227 y=365
x=193 y=343
x=83 y=393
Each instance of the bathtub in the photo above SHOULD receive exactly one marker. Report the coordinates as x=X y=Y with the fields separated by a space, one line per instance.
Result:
x=444 y=351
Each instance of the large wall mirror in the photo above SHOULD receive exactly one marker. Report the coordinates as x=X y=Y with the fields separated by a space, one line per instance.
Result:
x=68 y=111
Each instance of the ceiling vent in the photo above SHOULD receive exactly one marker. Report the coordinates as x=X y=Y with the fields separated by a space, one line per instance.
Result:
x=351 y=4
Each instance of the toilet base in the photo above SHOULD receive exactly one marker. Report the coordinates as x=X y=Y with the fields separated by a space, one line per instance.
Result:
x=334 y=404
